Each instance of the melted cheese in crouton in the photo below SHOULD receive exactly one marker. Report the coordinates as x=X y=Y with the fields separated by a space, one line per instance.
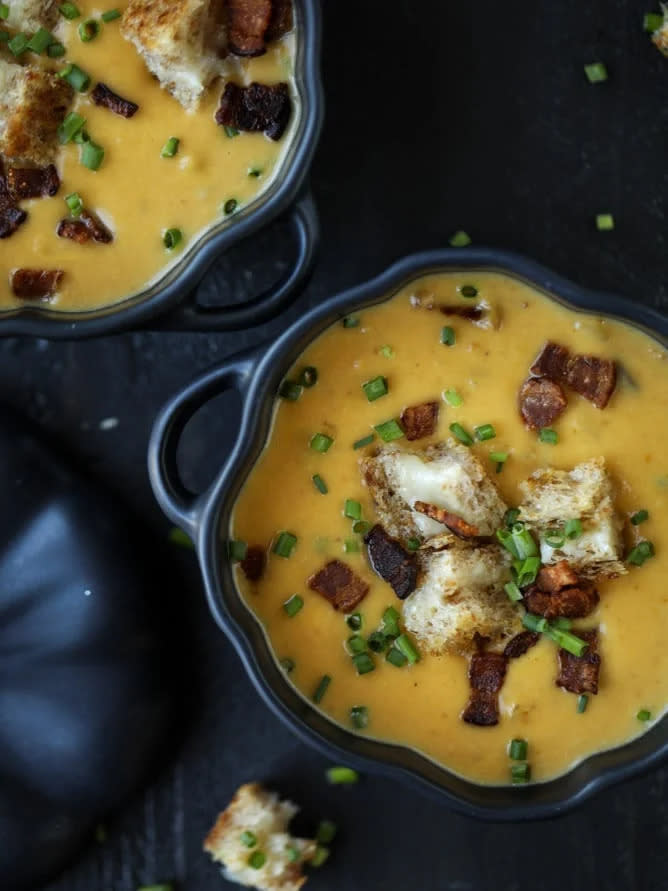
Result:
x=260 y=812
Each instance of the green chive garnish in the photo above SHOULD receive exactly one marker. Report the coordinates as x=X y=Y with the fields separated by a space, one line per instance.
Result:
x=40 y=41
x=287 y=665
x=605 y=222
x=320 y=442
x=520 y=774
x=255 y=172
x=356 y=645
x=518 y=749
x=18 y=44
x=321 y=689
x=351 y=322
x=248 y=839
x=341 y=776
x=639 y=517
x=237 y=550
x=363 y=663
x=548 y=435
x=172 y=238
x=458 y=431
x=359 y=716
x=460 y=239
x=510 y=517
x=320 y=484
x=468 y=291
x=364 y=441
x=293 y=605
x=111 y=15
x=573 y=529
x=55 y=50
x=524 y=541
x=170 y=148
x=4 y=11
x=567 y=641
x=285 y=544
x=377 y=642
x=644 y=714
x=375 y=388
x=562 y=623
x=257 y=859
x=71 y=125
x=499 y=458
x=92 y=156
x=534 y=623
x=320 y=856
x=290 y=390
x=4 y=36
x=554 y=538
x=406 y=647
x=453 y=398
x=652 y=21
x=76 y=77
x=231 y=132
x=596 y=72
x=389 y=430
x=88 y=30
x=512 y=591
x=386 y=351
x=396 y=657
x=326 y=832
x=505 y=538
x=583 y=702
x=412 y=544
x=352 y=509
x=351 y=546
x=641 y=552
x=448 y=336
x=69 y=11
x=230 y=206
x=354 y=621
x=292 y=853
x=308 y=377
x=526 y=571
x=391 y=622
x=484 y=432
x=361 y=527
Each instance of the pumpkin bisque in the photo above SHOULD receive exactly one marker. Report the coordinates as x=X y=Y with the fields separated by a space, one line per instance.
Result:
x=127 y=132
x=453 y=537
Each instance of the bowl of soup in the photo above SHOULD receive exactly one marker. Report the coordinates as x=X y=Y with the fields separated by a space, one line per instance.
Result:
x=139 y=143
x=437 y=543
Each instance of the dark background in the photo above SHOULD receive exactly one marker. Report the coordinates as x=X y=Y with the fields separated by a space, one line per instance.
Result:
x=440 y=116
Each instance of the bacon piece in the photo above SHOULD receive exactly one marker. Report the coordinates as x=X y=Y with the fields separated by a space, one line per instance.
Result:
x=33 y=182
x=34 y=284
x=338 y=583
x=258 y=107
x=247 y=23
x=419 y=420
x=593 y=378
x=571 y=603
x=486 y=674
x=84 y=229
x=392 y=563
x=473 y=313
x=11 y=216
x=254 y=563
x=454 y=523
x=520 y=644
x=541 y=402
x=552 y=362
x=555 y=576
x=281 y=20
x=580 y=674
x=102 y=95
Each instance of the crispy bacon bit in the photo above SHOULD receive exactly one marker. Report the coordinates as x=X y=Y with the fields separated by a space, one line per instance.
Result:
x=580 y=674
x=392 y=563
x=11 y=216
x=454 y=523
x=419 y=420
x=552 y=362
x=520 y=644
x=247 y=23
x=338 y=583
x=541 y=402
x=486 y=674
x=555 y=576
x=473 y=313
x=254 y=563
x=571 y=603
x=84 y=229
x=281 y=20
x=258 y=107
x=104 y=96
x=593 y=378
x=33 y=182
x=35 y=284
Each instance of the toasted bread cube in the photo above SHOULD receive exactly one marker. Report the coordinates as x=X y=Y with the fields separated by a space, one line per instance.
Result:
x=460 y=594
x=33 y=104
x=255 y=810
x=660 y=36
x=448 y=476
x=181 y=41
x=30 y=15
x=586 y=493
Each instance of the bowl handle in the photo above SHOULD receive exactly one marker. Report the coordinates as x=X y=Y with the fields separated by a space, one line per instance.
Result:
x=303 y=219
x=180 y=504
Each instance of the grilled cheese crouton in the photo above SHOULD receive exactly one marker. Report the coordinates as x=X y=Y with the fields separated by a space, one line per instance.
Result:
x=30 y=15
x=460 y=595
x=552 y=497
x=660 y=36
x=264 y=817
x=33 y=104
x=182 y=43
x=446 y=475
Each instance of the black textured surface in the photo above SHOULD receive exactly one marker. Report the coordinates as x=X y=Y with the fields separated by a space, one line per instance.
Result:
x=440 y=117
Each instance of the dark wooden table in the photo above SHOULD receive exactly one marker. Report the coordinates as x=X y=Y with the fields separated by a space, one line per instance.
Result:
x=440 y=116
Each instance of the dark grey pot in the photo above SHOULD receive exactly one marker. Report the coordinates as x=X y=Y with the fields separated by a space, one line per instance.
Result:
x=256 y=375
x=170 y=303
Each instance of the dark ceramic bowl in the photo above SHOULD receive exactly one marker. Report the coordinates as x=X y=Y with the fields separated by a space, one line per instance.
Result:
x=170 y=301
x=206 y=518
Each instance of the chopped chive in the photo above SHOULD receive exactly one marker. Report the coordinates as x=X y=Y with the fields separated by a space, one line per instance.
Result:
x=320 y=856
x=320 y=442
x=320 y=484
x=512 y=591
x=386 y=351
x=81 y=137
x=448 y=336
x=4 y=11
x=562 y=623
x=292 y=854
x=452 y=397
x=468 y=291
x=285 y=544
x=364 y=441
x=352 y=509
x=510 y=516
x=534 y=623
x=505 y=538
x=290 y=390
x=18 y=44
x=351 y=546
x=92 y=156
x=377 y=642
x=55 y=50
x=375 y=388
x=412 y=544
x=325 y=832
x=548 y=435
x=40 y=41
x=499 y=458
x=257 y=859
x=111 y=15
x=554 y=538
x=596 y=72
x=583 y=702
x=170 y=148
x=88 y=30
x=396 y=657
x=652 y=21
x=361 y=527
x=69 y=11
x=230 y=132
x=351 y=322
x=641 y=552
x=573 y=529
x=293 y=605
x=230 y=206
x=308 y=376
x=76 y=77
x=406 y=647
x=524 y=541
x=287 y=665
x=321 y=689
x=70 y=126
x=172 y=238
x=518 y=749
x=359 y=716
x=237 y=550
x=255 y=172
x=248 y=839
x=356 y=645
x=484 y=432
x=605 y=222
x=526 y=571
x=389 y=430
x=460 y=239
x=644 y=715
x=639 y=517
x=567 y=641
x=461 y=434
x=520 y=774
x=391 y=622
x=4 y=36
x=363 y=663
x=354 y=621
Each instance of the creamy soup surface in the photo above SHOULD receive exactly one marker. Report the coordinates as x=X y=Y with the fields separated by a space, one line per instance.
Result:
x=137 y=193
x=419 y=705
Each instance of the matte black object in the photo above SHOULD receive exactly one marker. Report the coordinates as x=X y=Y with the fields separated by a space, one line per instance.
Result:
x=256 y=375
x=170 y=302
x=86 y=695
